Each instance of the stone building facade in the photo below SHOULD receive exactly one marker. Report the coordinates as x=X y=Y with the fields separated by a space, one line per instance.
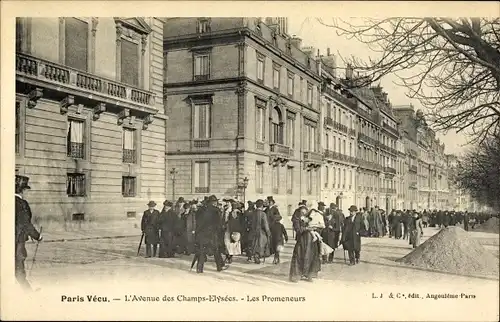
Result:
x=90 y=120
x=243 y=102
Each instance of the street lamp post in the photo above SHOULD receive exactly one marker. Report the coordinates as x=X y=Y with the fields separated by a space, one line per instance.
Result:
x=173 y=172
x=244 y=186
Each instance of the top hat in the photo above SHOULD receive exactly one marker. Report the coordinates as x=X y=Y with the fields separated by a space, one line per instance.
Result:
x=151 y=203
x=168 y=203
x=250 y=202
x=22 y=182
x=353 y=208
x=321 y=203
x=180 y=200
x=270 y=198
x=303 y=202
x=333 y=205
x=212 y=198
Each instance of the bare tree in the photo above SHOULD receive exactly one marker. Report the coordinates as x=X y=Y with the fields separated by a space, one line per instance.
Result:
x=478 y=172
x=452 y=66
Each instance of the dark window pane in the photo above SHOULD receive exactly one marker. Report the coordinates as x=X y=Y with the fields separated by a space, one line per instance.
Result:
x=76 y=40
x=130 y=63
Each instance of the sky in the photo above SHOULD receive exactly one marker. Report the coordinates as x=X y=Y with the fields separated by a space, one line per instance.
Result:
x=321 y=37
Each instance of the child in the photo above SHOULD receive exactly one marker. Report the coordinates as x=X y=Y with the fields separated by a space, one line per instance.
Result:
x=315 y=221
x=278 y=233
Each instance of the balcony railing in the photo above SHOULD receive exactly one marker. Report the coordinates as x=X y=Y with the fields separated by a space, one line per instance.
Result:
x=390 y=170
x=129 y=156
x=340 y=127
x=390 y=128
x=279 y=149
x=76 y=150
x=413 y=168
x=329 y=121
x=61 y=75
x=314 y=157
x=349 y=102
x=352 y=132
x=365 y=138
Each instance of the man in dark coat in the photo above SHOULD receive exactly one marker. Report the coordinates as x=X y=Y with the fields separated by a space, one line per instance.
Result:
x=466 y=221
x=208 y=235
x=23 y=229
x=351 y=238
x=150 y=229
x=330 y=234
x=273 y=215
x=167 y=223
x=260 y=234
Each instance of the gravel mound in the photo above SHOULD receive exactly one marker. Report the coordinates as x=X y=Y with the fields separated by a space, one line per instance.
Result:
x=453 y=250
x=492 y=225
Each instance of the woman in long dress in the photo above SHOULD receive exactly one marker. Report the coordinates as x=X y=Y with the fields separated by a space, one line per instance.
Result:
x=305 y=261
x=232 y=235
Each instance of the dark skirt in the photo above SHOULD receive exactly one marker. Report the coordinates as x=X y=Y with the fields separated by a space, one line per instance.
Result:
x=306 y=257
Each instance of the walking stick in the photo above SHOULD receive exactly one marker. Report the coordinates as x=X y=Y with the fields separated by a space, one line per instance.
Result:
x=195 y=259
x=36 y=250
x=140 y=243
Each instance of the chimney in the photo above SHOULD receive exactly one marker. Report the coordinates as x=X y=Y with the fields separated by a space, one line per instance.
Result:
x=296 y=42
x=328 y=52
x=384 y=96
x=349 y=71
x=309 y=51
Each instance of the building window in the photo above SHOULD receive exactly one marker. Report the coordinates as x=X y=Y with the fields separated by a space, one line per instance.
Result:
x=76 y=33
x=334 y=178
x=290 y=126
x=202 y=120
x=129 y=154
x=290 y=85
x=310 y=138
x=201 y=175
x=275 y=179
x=327 y=141
x=326 y=176
x=275 y=39
x=289 y=180
x=309 y=181
x=75 y=139
x=260 y=67
x=276 y=76
x=18 y=127
x=128 y=186
x=259 y=177
x=277 y=126
x=339 y=178
x=75 y=184
x=201 y=66
x=129 y=62
x=260 y=124
x=309 y=94
x=203 y=26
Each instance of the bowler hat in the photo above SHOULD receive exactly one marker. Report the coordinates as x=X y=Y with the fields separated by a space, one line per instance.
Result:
x=270 y=198
x=353 y=208
x=303 y=202
x=259 y=203
x=321 y=203
x=212 y=198
x=22 y=182
x=333 y=205
x=180 y=200
x=250 y=202
x=151 y=203
x=168 y=203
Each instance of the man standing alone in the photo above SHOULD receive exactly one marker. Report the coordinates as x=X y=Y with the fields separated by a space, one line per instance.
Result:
x=24 y=229
x=351 y=238
x=150 y=229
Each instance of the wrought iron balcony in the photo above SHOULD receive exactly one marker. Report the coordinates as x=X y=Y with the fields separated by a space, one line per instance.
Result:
x=329 y=154
x=129 y=156
x=349 y=102
x=340 y=127
x=390 y=128
x=352 y=132
x=279 y=150
x=46 y=74
x=390 y=170
x=413 y=168
x=313 y=157
x=366 y=139
x=329 y=121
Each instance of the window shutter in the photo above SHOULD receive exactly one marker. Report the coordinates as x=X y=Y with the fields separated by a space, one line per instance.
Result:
x=76 y=43
x=129 y=63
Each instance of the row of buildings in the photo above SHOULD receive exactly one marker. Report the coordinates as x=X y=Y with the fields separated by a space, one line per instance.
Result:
x=112 y=112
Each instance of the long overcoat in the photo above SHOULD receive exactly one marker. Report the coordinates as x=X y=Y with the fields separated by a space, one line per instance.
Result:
x=167 y=223
x=209 y=231
x=150 y=226
x=351 y=235
x=24 y=228
x=260 y=234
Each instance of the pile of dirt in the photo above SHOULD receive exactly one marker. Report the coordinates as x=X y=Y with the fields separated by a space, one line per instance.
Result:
x=453 y=250
x=492 y=225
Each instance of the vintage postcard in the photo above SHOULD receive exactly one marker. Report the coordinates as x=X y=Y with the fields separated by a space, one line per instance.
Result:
x=217 y=160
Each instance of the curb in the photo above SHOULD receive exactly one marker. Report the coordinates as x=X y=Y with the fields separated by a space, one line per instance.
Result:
x=88 y=238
